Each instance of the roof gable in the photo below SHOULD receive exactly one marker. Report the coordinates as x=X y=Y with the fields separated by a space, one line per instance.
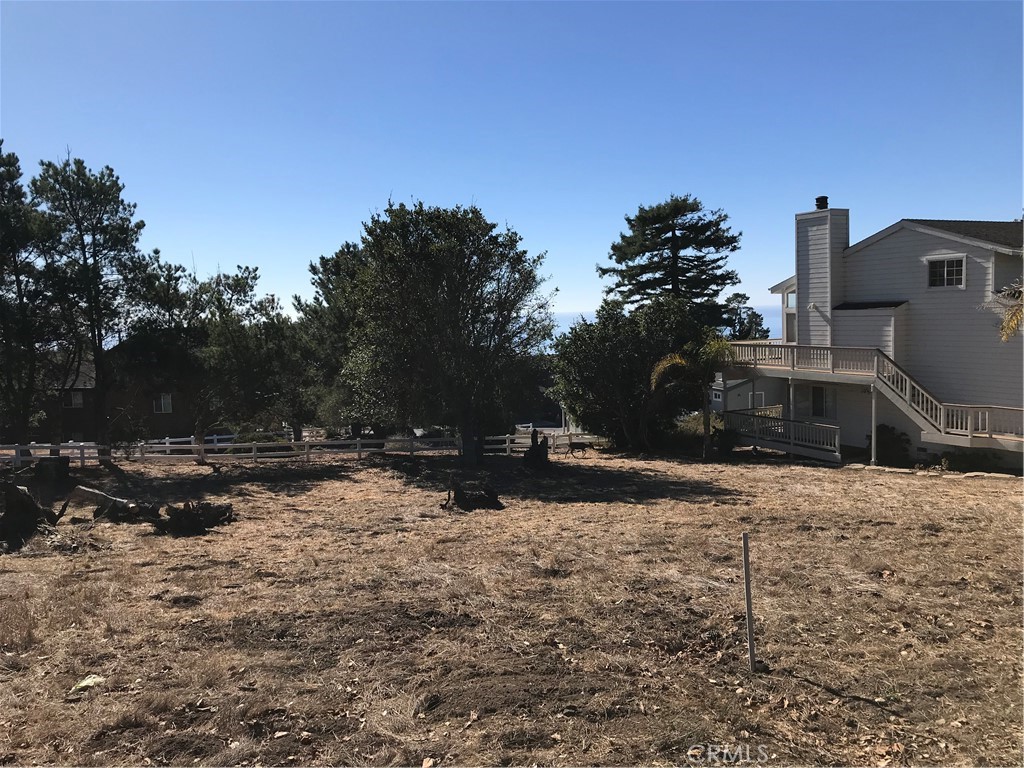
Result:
x=991 y=235
x=1008 y=233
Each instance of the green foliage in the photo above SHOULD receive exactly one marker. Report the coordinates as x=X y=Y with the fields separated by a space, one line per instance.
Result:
x=603 y=371
x=446 y=306
x=893 y=449
x=742 y=322
x=678 y=249
x=976 y=460
x=88 y=238
x=232 y=354
x=725 y=441
x=1010 y=301
x=694 y=368
x=25 y=327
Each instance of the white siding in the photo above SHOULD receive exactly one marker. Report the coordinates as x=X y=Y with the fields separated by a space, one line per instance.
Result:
x=951 y=343
x=839 y=241
x=901 y=333
x=864 y=328
x=813 y=278
x=738 y=399
x=1008 y=268
x=854 y=410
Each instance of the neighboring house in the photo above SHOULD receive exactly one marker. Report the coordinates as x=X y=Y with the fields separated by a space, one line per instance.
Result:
x=898 y=329
x=135 y=410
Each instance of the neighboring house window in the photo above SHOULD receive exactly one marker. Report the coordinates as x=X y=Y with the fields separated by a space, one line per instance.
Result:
x=791 y=300
x=755 y=399
x=945 y=272
x=73 y=400
x=162 y=403
x=717 y=396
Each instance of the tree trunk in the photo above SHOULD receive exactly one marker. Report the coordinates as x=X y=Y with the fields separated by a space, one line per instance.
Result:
x=100 y=395
x=472 y=445
x=706 y=413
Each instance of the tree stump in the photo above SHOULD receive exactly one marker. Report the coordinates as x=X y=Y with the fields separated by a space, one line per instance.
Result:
x=20 y=517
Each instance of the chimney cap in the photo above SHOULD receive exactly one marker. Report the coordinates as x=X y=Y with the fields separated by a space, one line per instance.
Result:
x=821 y=202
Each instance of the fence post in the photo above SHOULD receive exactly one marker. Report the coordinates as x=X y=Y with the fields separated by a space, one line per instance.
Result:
x=308 y=457
x=81 y=455
x=142 y=453
x=508 y=445
x=412 y=445
x=359 y=448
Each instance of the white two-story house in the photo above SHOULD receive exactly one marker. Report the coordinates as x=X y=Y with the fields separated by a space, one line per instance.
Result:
x=900 y=329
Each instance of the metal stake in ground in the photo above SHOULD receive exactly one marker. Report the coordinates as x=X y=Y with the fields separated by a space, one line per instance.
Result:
x=750 y=605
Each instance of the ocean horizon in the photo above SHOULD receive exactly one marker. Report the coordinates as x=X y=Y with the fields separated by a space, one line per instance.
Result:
x=772 y=319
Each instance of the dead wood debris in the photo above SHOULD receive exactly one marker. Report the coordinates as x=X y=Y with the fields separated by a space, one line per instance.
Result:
x=21 y=517
x=194 y=517
x=468 y=500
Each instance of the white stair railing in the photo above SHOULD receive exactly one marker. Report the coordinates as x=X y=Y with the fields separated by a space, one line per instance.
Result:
x=944 y=418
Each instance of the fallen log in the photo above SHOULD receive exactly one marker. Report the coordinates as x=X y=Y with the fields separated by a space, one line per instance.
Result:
x=194 y=518
x=111 y=507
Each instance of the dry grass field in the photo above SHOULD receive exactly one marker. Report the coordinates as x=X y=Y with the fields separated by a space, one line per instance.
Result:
x=345 y=618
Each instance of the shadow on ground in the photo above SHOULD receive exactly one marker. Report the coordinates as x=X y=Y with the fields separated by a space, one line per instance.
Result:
x=285 y=478
x=560 y=481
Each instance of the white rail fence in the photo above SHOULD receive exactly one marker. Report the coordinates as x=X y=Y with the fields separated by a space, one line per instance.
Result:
x=182 y=449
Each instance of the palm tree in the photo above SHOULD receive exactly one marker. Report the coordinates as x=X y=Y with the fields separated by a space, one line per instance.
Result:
x=696 y=367
x=1011 y=299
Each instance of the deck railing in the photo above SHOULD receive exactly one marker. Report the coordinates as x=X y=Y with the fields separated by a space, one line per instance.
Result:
x=944 y=418
x=820 y=437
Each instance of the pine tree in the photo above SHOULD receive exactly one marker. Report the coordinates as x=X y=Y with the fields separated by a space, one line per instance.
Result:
x=678 y=249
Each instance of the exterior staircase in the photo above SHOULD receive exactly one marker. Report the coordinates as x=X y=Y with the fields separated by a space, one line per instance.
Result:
x=972 y=426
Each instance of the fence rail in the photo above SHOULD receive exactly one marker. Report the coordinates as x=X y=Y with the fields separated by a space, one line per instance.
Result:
x=783 y=433
x=176 y=449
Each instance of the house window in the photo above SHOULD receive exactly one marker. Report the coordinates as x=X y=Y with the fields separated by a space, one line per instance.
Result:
x=716 y=396
x=818 y=402
x=162 y=403
x=791 y=300
x=755 y=399
x=945 y=272
x=73 y=400
x=790 y=328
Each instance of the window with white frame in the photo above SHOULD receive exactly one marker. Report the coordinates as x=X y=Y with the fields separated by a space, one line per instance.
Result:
x=716 y=396
x=945 y=272
x=73 y=400
x=162 y=403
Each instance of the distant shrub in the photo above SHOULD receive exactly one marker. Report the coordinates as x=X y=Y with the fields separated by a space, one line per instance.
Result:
x=893 y=449
x=976 y=461
x=725 y=440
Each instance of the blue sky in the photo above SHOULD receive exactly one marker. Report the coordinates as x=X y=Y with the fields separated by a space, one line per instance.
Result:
x=265 y=133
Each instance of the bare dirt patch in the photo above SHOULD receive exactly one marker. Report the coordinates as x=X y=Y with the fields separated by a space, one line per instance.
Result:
x=345 y=618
